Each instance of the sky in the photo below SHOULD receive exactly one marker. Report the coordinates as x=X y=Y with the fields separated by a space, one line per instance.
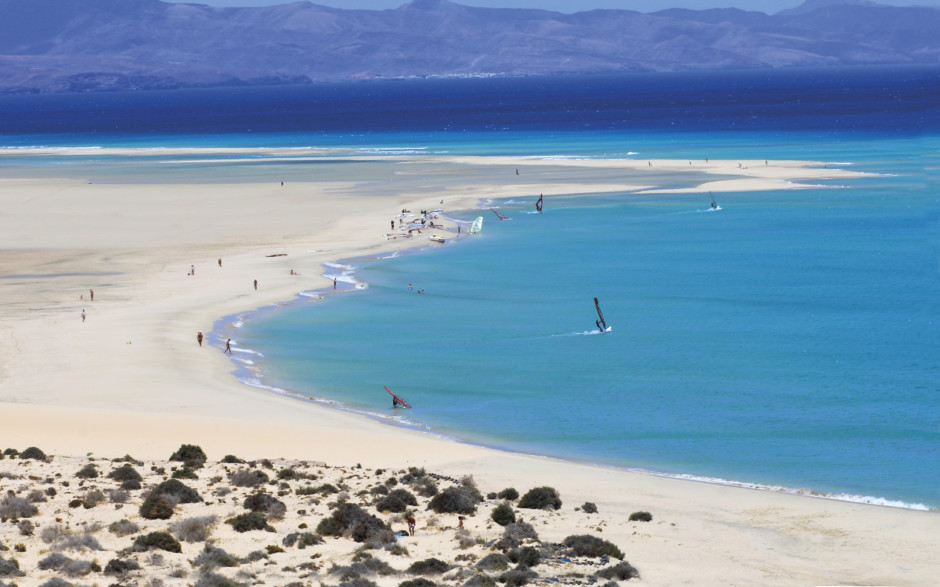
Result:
x=768 y=6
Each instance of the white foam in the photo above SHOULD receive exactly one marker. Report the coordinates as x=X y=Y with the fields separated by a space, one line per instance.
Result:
x=866 y=499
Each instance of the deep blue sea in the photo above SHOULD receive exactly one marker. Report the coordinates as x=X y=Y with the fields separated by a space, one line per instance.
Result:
x=790 y=339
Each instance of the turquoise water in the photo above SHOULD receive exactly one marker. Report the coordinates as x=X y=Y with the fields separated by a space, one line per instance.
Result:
x=789 y=339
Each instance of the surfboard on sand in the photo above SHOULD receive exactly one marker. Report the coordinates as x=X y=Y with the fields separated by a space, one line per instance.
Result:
x=396 y=400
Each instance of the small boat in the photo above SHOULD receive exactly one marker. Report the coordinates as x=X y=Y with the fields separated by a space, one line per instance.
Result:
x=477 y=225
x=436 y=238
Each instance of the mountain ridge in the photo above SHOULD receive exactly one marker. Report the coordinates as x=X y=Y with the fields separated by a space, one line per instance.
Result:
x=89 y=45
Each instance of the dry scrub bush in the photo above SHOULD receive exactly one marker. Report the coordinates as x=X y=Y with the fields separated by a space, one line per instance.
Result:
x=248 y=478
x=123 y=528
x=622 y=571
x=13 y=507
x=195 y=529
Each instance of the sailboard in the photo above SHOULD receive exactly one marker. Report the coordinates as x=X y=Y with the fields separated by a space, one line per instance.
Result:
x=477 y=225
x=499 y=214
x=538 y=205
x=600 y=322
x=396 y=400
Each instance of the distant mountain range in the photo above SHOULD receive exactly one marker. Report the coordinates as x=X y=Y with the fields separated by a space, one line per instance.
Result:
x=94 y=45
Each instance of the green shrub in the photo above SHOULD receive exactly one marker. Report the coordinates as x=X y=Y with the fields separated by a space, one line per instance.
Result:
x=587 y=545
x=89 y=471
x=622 y=571
x=117 y=566
x=503 y=514
x=125 y=472
x=517 y=577
x=177 y=491
x=185 y=473
x=248 y=522
x=540 y=498
x=248 y=478
x=301 y=540
x=641 y=517
x=232 y=460
x=191 y=455
x=430 y=566
x=130 y=485
x=158 y=541
x=329 y=527
x=156 y=507
x=268 y=505
x=509 y=494
x=33 y=453
x=589 y=507
x=10 y=568
x=493 y=562
x=396 y=501
x=454 y=500
x=419 y=582
x=525 y=556
x=480 y=580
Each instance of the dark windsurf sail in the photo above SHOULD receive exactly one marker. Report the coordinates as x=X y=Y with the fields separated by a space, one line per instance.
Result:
x=397 y=401
x=601 y=324
x=538 y=205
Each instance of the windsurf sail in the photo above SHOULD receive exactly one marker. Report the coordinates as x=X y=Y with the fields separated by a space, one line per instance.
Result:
x=601 y=324
x=538 y=205
x=477 y=225
x=396 y=400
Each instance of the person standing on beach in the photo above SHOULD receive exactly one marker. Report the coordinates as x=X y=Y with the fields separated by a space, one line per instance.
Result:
x=199 y=337
x=220 y=261
x=83 y=314
x=192 y=270
x=256 y=285
x=91 y=293
x=228 y=347
x=334 y=283
x=411 y=525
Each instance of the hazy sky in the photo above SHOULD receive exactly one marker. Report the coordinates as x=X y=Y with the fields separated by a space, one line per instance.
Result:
x=768 y=6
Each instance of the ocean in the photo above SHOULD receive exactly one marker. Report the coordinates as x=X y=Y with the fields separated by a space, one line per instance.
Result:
x=789 y=340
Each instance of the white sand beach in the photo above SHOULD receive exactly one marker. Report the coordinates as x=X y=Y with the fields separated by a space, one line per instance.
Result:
x=130 y=377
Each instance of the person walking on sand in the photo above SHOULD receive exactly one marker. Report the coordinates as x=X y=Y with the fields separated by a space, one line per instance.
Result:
x=228 y=347
x=83 y=314
x=91 y=293
x=334 y=283
x=220 y=261
x=199 y=337
x=411 y=525
x=256 y=285
x=192 y=270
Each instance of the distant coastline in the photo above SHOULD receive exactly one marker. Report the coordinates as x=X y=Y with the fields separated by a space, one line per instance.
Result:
x=157 y=45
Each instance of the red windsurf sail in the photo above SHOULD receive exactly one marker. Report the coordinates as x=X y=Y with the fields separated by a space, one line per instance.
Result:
x=396 y=400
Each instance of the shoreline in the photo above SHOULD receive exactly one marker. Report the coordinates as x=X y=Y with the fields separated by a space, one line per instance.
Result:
x=132 y=380
x=252 y=378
